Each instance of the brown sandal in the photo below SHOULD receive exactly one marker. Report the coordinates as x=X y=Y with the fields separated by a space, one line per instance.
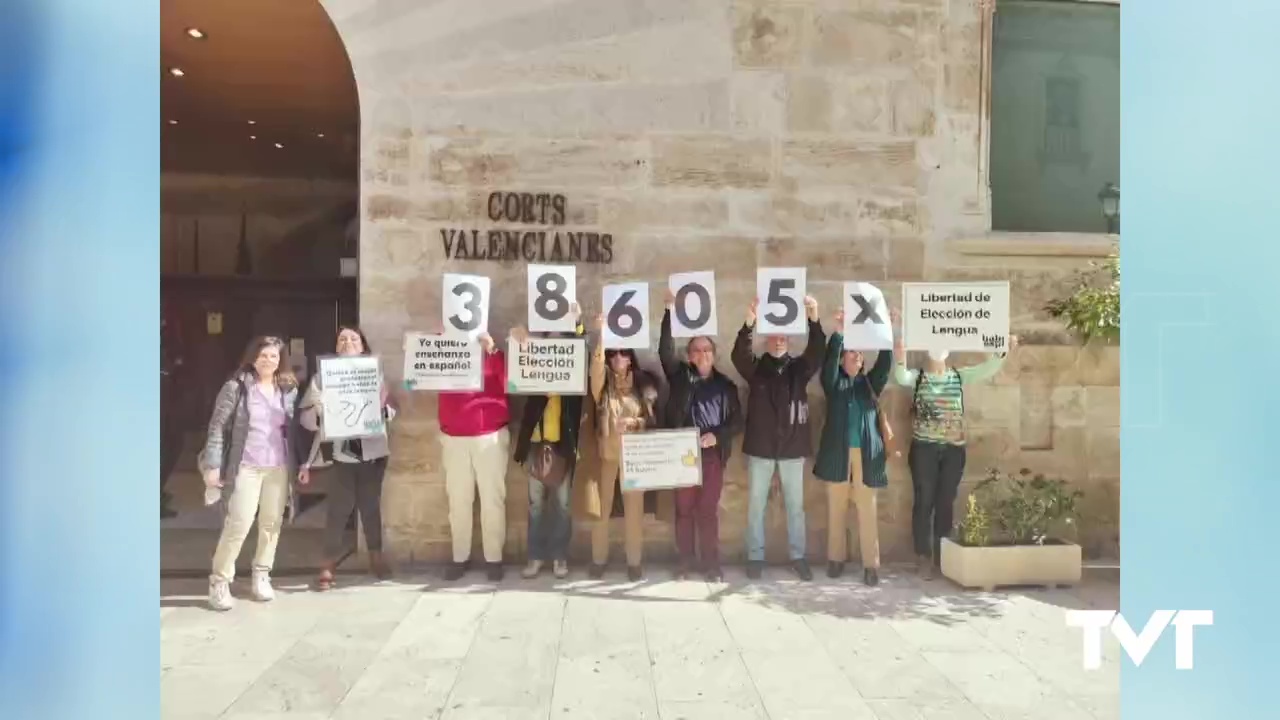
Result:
x=324 y=581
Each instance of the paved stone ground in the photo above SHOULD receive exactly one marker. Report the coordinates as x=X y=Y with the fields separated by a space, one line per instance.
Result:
x=778 y=649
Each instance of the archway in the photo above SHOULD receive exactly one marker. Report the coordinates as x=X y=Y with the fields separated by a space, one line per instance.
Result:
x=259 y=205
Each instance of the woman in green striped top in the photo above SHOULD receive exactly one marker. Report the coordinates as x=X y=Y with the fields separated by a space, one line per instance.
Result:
x=937 y=453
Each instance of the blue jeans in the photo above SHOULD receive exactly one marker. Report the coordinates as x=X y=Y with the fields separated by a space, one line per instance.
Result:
x=550 y=525
x=759 y=478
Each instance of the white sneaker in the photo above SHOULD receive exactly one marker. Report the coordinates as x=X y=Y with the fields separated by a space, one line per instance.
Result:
x=220 y=594
x=262 y=590
x=532 y=569
x=560 y=569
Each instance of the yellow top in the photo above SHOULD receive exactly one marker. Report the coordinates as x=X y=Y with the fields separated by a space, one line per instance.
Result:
x=549 y=429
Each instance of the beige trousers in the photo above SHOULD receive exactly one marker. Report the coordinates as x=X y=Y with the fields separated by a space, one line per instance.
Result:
x=839 y=497
x=258 y=492
x=633 y=518
x=471 y=464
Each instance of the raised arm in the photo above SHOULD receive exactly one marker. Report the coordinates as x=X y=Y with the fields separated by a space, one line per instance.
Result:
x=744 y=360
x=831 y=363
x=986 y=369
x=667 y=346
x=596 y=372
x=878 y=376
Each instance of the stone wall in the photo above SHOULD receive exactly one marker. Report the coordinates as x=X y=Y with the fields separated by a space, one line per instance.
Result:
x=709 y=135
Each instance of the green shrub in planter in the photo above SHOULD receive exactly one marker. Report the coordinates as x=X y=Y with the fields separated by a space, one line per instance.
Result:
x=1021 y=509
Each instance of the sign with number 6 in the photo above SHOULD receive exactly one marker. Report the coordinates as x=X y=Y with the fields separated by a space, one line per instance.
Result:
x=552 y=290
x=626 y=316
x=694 y=311
x=465 y=305
x=781 y=293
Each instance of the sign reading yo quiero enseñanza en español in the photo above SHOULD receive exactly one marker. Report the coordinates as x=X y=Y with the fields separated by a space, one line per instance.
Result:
x=439 y=363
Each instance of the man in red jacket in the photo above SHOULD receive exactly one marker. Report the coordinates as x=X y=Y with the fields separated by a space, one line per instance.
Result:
x=474 y=440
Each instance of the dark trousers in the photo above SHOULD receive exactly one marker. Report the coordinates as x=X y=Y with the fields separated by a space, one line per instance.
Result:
x=699 y=508
x=936 y=470
x=550 y=524
x=354 y=487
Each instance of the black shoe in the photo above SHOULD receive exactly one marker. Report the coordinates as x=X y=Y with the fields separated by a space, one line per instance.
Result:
x=835 y=569
x=596 y=571
x=455 y=571
x=871 y=577
x=755 y=569
x=801 y=568
x=715 y=575
x=494 y=572
x=634 y=573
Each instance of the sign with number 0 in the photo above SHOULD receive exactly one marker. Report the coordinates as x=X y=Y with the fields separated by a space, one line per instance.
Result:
x=694 y=311
x=465 y=305
x=781 y=292
x=626 y=316
x=866 y=318
x=552 y=290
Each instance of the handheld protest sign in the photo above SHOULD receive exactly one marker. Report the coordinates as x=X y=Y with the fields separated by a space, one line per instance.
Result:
x=866 y=318
x=552 y=290
x=351 y=394
x=442 y=363
x=547 y=366
x=626 y=316
x=465 y=305
x=694 y=311
x=956 y=317
x=781 y=293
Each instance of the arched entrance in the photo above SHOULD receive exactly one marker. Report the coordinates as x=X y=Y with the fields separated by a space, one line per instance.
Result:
x=259 y=206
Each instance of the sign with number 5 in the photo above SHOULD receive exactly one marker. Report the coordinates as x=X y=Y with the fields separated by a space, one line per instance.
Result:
x=626 y=316
x=552 y=290
x=465 y=305
x=781 y=294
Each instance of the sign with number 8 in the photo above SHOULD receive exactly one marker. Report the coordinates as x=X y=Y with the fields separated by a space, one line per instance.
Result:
x=552 y=291
x=626 y=318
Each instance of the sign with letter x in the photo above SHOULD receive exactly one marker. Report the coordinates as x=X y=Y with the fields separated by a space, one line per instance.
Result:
x=866 y=318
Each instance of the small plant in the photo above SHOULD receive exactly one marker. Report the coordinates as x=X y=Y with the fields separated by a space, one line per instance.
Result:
x=1025 y=509
x=975 y=528
x=1092 y=310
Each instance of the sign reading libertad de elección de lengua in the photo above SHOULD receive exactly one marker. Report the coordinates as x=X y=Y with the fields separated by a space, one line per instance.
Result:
x=541 y=366
x=442 y=364
x=956 y=317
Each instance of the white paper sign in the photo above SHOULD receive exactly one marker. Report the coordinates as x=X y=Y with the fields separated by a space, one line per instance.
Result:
x=626 y=316
x=552 y=289
x=866 y=318
x=956 y=317
x=781 y=294
x=544 y=366
x=440 y=363
x=661 y=459
x=694 y=312
x=351 y=397
x=465 y=305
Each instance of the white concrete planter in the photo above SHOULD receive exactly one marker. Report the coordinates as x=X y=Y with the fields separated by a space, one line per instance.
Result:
x=990 y=567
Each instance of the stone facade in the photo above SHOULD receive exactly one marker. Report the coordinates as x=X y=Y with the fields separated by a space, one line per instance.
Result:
x=847 y=137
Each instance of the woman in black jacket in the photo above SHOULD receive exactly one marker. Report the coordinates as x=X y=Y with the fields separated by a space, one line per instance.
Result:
x=704 y=398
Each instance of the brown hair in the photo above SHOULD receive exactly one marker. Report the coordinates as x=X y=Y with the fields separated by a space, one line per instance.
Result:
x=364 y=342
x=284 y=375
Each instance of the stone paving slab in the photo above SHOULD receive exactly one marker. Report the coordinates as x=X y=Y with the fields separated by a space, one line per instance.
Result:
x=775 y=649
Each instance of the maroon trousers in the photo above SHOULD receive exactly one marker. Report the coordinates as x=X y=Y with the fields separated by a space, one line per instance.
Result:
x=700 y=507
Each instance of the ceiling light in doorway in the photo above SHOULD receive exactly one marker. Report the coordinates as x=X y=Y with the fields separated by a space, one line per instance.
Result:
x=173 y=122
x=176 y=72
x=253 y=137
x=253 y=122
x=278 y=145
x=196 y=33
x=320 y=135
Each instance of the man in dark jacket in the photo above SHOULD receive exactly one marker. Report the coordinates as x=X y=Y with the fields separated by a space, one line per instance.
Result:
x=704 y=398
x=777 y=435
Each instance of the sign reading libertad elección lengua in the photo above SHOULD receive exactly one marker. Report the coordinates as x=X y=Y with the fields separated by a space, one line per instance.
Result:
x=548 y=244
x=956 y=317
x=541 y=366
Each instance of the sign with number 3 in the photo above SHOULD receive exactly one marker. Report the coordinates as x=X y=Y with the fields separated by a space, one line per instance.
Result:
x=552 y=290
x=465 y=305
x=626 y=316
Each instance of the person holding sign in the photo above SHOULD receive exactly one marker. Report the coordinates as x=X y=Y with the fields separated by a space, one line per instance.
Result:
x=355 y=480
x=937 y=454
x=248 y=464
x=547 y=446
x=626 y=400
x=702 y=397
x=851 y=454
x=474 y=442
x=777 y=433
